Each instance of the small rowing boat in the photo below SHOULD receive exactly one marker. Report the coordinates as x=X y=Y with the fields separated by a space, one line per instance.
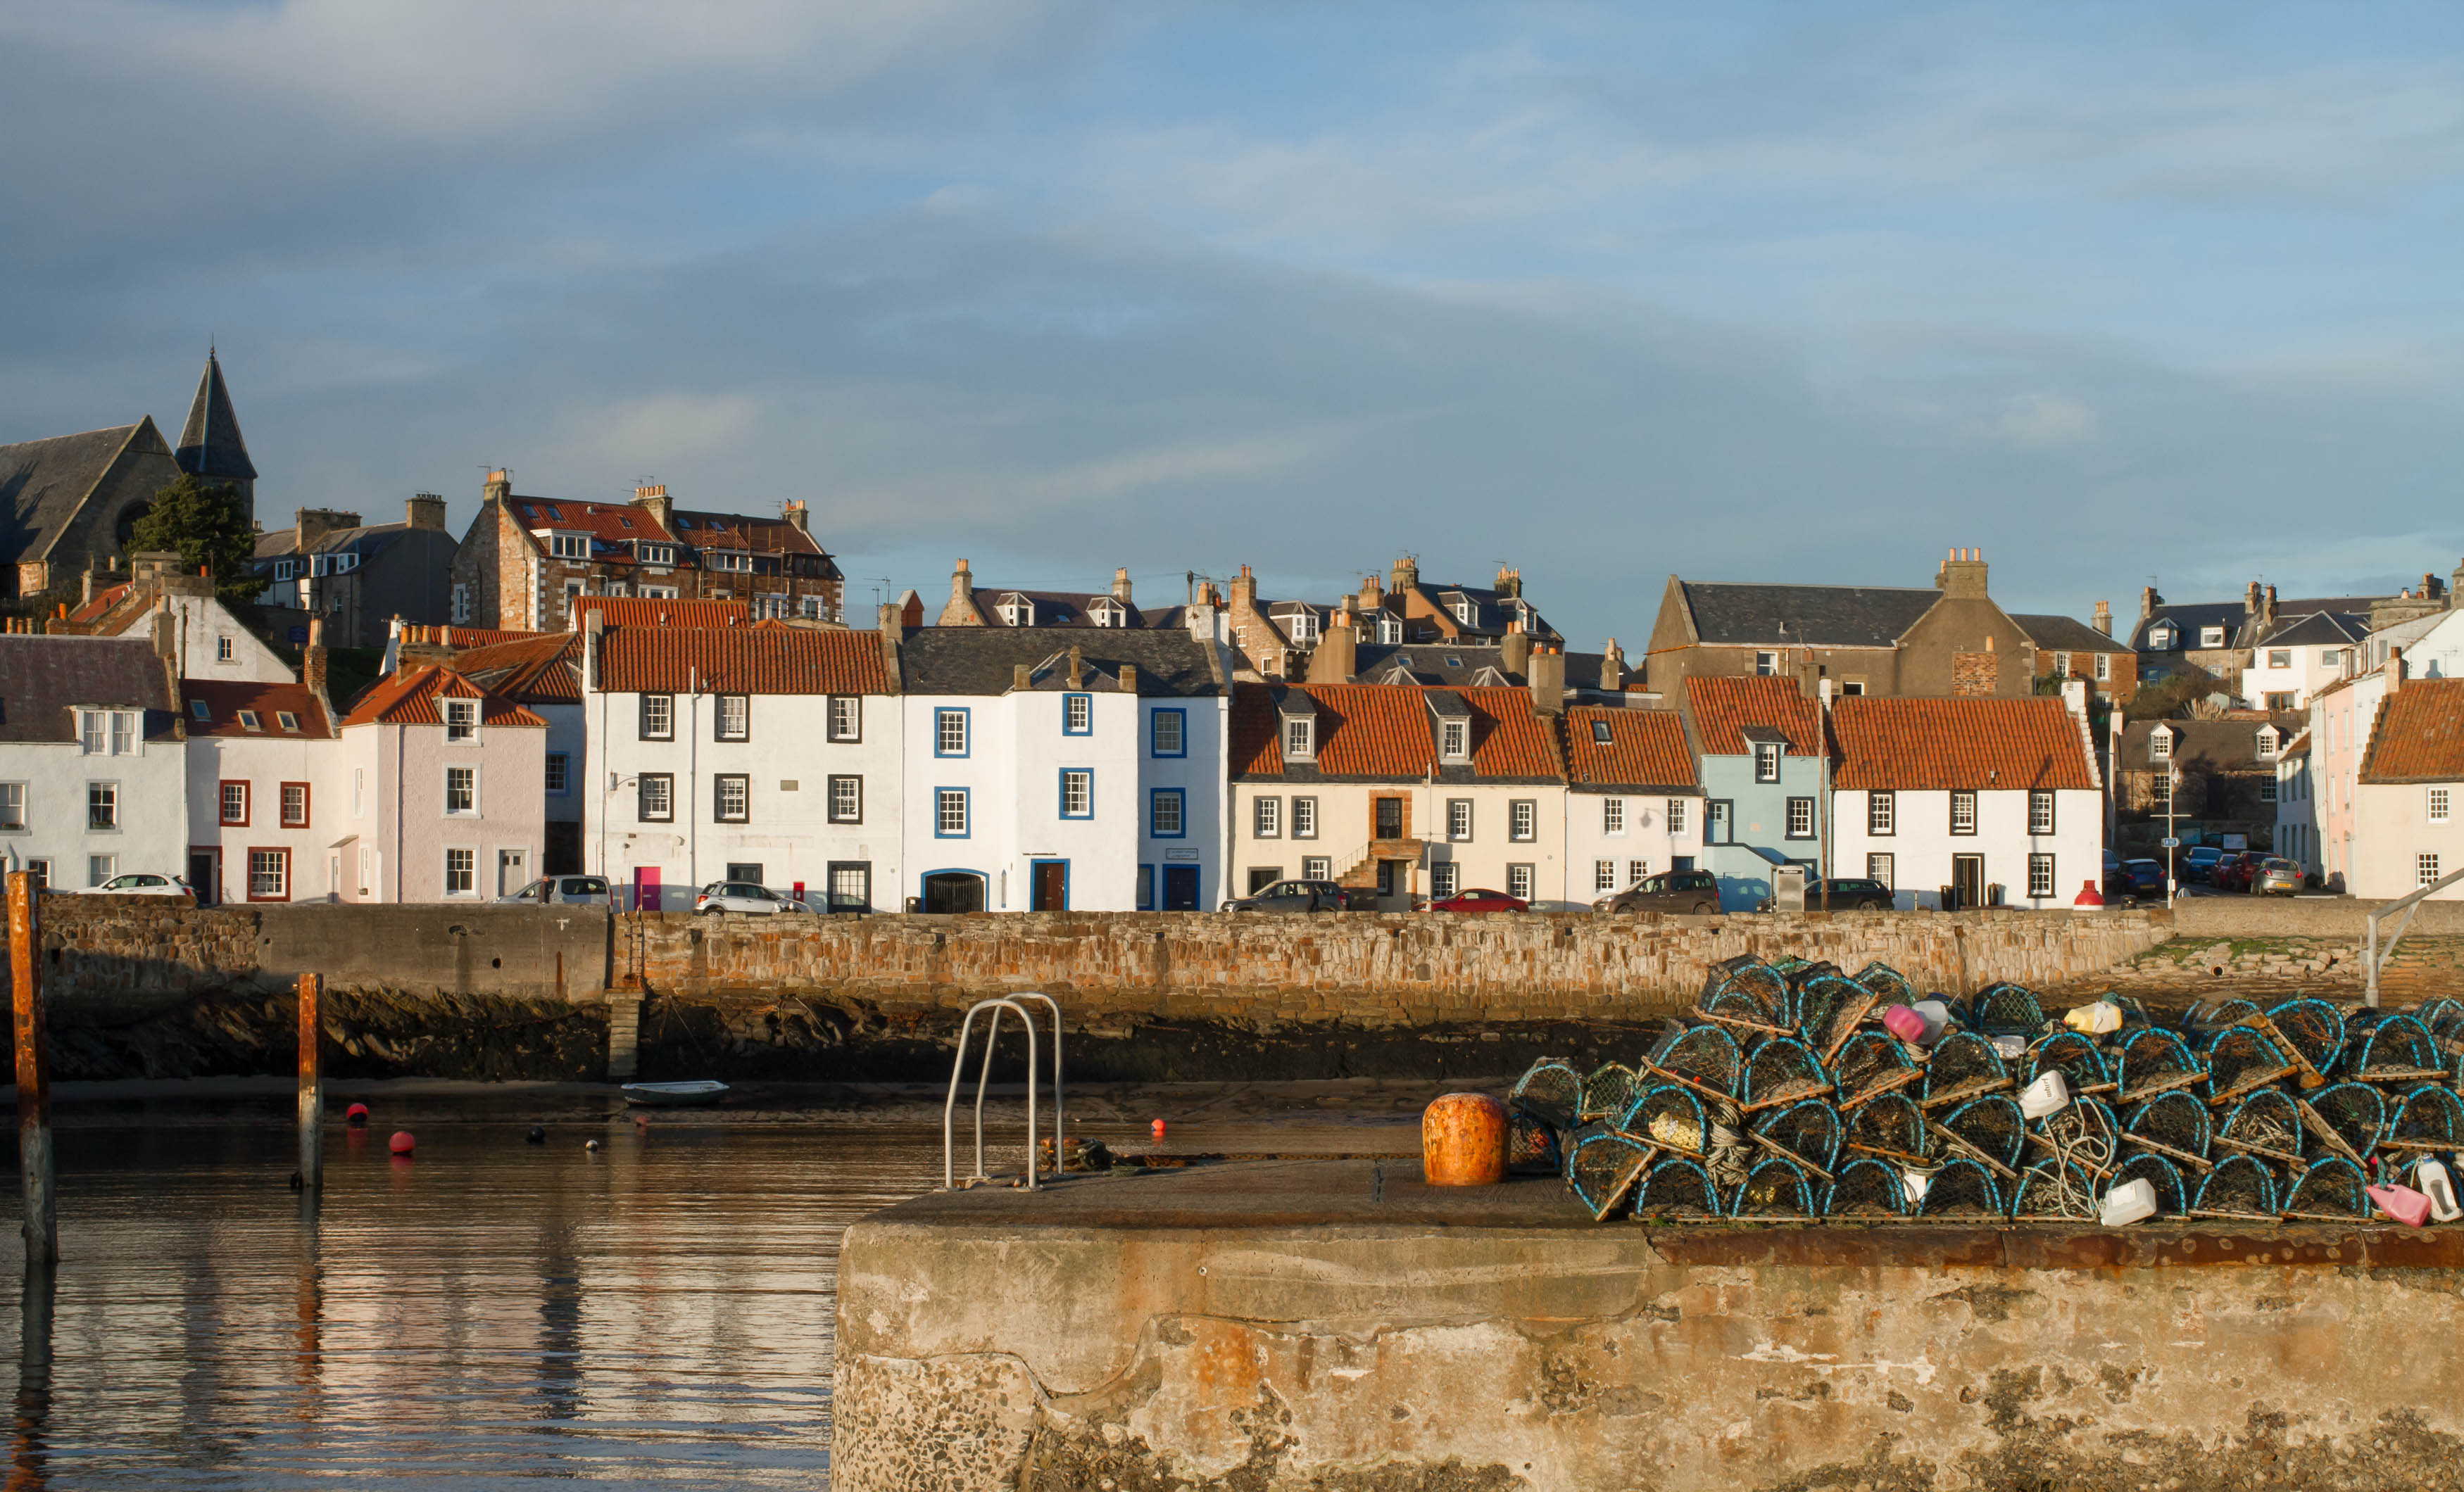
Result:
x=675 y=1095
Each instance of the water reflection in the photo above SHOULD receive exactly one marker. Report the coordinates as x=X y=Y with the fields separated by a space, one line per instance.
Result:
x=656 y=1315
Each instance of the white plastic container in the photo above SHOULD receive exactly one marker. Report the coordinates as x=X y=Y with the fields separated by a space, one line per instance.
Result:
x=1915 y=1182
x=1937 y=1015
x=2430 y=1180
x=2129 y=1202
x=2049 y=1093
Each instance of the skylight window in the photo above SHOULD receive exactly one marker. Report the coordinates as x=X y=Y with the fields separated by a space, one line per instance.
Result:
x=1454 y=662
x=627 y=523
x=683 y=522
x=554 y=517
x=247 y=721
x=199 y=708
x=1600 y=731
x=286 y=720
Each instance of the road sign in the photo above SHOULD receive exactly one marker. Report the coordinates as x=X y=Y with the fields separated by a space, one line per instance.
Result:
x=2170 y=844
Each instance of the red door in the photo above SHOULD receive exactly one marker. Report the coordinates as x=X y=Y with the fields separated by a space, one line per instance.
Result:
x=646 y=888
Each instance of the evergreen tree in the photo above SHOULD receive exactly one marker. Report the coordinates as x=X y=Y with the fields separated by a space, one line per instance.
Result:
x=205 y=524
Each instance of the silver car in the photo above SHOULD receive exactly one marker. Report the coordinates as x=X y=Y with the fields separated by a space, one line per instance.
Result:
x=563 y=891
x=746 y=898
x=2276 y=877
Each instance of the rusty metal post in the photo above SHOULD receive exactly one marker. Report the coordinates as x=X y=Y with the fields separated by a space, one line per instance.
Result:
x=33 y=1071
x=311 y=1086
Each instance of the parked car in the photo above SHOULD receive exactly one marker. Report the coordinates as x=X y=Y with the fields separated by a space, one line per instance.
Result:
x=1480 y=901
x=2146 y=877
x=1694 y=893
x=744 y=897
x=1294 y=896
x=1846 y=895
x=2233 y=872
x=563 y=891
x=139 y=883
x=2198 y=863
x=2122 y=888
x=2276 y=877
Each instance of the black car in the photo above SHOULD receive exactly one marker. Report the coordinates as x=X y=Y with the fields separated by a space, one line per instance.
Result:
x=1294 y=896
x=1693 y=892
x=1846 y=895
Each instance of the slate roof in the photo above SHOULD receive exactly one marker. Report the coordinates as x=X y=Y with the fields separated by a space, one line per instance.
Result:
x=733 y=660
x=1925 y=745
x=2227 y=745
x=410 y=697
x=541 y=670
x=1818 y=616
x=2066 y=634
x=653 y=611
x=1052 y=608
x=2241 y=629
x=1491 y=608
x=984 y=660
x=44 y=482
x=2319 y=629
x=210 y=445
x=42 y=677
x=1724 y=707
x=1435 y=664
x=269 y=702
x=2419 y=734
x=1382 y=733
x=1646 y=751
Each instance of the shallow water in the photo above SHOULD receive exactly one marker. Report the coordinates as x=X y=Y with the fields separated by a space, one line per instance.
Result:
x=488 y=1314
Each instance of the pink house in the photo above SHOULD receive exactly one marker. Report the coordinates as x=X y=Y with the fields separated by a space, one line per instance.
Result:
x=444 y=789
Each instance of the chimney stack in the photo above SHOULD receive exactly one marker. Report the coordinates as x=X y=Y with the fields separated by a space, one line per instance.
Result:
x=2394 y=670
x=653 y=499
x=311 y=525
x=1077 y=668
x=594 y=633
x=1129 y=678
x=1509 y=581
x=1337 y=657
x=1548 y=675
x=89 y=587
x=1121 y=586
x=2250 y=599
x=1407 y=574
x=312 y=662
x=962 y=585
x=1611 y=668
x=1963 y=575
x=889 y=616
x=1514 y=649
x=2103 y=619
x=1021 y=678
x=796 y=514
x=2267 y=604
x=498 y=487
x=424 y=511
x=2148 y=602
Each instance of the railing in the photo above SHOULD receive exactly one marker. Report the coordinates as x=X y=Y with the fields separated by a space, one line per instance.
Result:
x=983 y=1077
x=2374 y=955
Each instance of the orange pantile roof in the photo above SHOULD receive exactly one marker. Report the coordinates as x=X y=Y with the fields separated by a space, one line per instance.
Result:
x=2419 y=734
x=613 y=523
x=741 y=661
x=477 y=636
x=409 y=698
x=269 y=702
x=651 y=611
x=1917 y=745
x=544 y=668
x=103 y=601
x=1645 y=748
x=1386 y=731
x=1723 y=707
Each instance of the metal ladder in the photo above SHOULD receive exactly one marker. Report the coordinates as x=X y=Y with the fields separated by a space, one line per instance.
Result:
x=957 y=1070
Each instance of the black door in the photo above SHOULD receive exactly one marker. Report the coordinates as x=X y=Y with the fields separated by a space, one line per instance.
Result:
x=1180 y=888
x=1968 y=878
x=952 y=892
x=1052 y=886
x=201 y=877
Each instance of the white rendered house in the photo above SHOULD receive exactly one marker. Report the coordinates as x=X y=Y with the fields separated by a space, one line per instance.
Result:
x=93 y=760
x=1968 y=793
x=267 y=794
x=1633 y=806
x=2408 y=802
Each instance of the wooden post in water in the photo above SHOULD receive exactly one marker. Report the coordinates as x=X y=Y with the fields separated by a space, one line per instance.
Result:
x=33 y=1071
x=311 y=1086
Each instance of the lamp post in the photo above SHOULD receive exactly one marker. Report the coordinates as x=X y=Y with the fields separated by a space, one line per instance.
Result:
x=2172 y=841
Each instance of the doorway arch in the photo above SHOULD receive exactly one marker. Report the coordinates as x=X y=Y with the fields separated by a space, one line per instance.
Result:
x=954 y=891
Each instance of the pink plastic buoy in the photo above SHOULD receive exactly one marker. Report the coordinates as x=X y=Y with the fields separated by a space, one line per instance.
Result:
x=402 y=1143
x=1905 y=1024
x=357 y=1113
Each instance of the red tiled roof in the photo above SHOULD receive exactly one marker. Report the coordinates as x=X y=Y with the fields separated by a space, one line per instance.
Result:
x=735 y=531
x=477 y=636
x=650 y=611
x=741 y=660
x=616 y=523
x=1723 y=707
x=103 y=601
x=2419 y=735
x=1645 y=748
x=1386 y=731
x=409 y=698
x=1915 y=745
x=542 y=668
x=224 y=701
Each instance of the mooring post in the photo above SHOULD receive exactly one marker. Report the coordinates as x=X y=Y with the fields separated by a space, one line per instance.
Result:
x=33 y=1071
x=311 y=1086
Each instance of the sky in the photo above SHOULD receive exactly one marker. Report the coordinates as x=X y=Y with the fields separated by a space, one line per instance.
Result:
x=1807 y=292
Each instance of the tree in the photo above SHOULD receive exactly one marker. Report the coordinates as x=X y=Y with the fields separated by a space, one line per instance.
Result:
x=205 y=523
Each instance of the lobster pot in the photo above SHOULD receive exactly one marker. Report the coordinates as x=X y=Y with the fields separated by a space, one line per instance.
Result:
x=2082 y=1132
x=2214 y=1015
x=2427 y=1119
x=1670 y=1117
x=1871 y=1062
x=2332 y=1190
x=2070 y=1053
x=2175 y=1120
x=2053 y=1190
x=1827 y=1011
x=1963 y=1065
x=1889 y=985
x=1754 y=994
x=1964 y=1191
x=1809 y=1131
x=1893 y=1124
x=2172 y=1194
x=2345 y=1120
x=2267 y=1124
x=1604 y=1170
x=1782 y=1071
x=1530 y=1146
x=2312 y=1028
x=2443 y=1018
x=1607 y=1092
x=1867 y=1188
x=1572 y=1141
x=1462 y=1140
x=2399 y=1050
x=1994 y=1125
x=2241 y=1061
x=2008 y=1010
x=2156 y=1061
x=1674 y=1188
x=1774 y=1189
x=1705 y=1057
x=1551 y=1091
x=2239 y=1187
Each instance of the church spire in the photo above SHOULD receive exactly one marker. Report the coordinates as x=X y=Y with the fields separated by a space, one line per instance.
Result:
x=211 y=446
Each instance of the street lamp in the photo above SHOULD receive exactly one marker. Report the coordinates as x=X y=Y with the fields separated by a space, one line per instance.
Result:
x=2172 y=841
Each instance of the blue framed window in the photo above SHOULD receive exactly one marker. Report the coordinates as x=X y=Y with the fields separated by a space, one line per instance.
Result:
x=951 y=817
x=1168 y=733
x=1166 y=815
x=1077 y=793
x=1077 y=715
x=1146 y=888
x=950 y=732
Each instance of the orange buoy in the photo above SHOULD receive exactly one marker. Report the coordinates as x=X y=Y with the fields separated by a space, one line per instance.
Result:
x=1462 y=1140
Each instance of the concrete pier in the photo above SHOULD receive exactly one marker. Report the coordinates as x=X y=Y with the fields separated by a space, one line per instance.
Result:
x=1336 y=1325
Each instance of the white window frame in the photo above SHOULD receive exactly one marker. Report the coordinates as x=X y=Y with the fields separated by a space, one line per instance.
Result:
x=1522 y=822
x=1766 y=663
x=470 y=852
x=2040 y=875
x=2104 y=668
x=1613 y=817
x=2436 y=804
x=461 y=720
x=2160 y=744
x=1963 y=812
x=13 y=807
x=658 y=717
x=1304 y=821
x=2425 y=868
x=662 y=785
x=1881 y=814
x=445 y=800
x=1077 y=791
x=846 y=800
x=1521 y=880
x=1801 y=809
x=1458 y=820
x=104 y=796
x=847 y=718
x=721 y=810
x=1300 y=739
x=1605 y=875
x=1266 y=817
x=1443 y=876
x=1883 y=868
x=950 y=732
x=1676 y=816
x=731 y=718
x=1768 y=758
x=2212 y=637
x=2041 y=822
x=1454 y=740
x=952 y=816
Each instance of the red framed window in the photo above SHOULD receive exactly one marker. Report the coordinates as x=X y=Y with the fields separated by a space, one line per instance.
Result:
x=268 y=875
x=234 y=804
x=294 y=805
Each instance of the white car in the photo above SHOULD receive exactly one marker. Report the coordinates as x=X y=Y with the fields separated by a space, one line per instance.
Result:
x=744 y=897
x=139 y=883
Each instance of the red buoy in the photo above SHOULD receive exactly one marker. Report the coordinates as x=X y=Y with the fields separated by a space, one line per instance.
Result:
x=357 y=1113
x=401 y=1144
x=1157 y=1130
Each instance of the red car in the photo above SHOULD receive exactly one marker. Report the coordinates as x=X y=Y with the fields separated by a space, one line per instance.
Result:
x=2233 y=872
x=1480 y=901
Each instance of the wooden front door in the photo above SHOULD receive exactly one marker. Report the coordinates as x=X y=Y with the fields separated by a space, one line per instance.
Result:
x=1967 y=880
x=1052 y=886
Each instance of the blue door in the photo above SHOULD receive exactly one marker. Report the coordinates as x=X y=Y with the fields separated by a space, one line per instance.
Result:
x=1180 y=888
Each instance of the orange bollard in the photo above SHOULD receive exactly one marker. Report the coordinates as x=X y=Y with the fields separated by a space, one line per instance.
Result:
x=1462 y=1140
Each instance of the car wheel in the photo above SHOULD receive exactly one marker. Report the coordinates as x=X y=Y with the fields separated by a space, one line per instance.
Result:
x=1705 y=908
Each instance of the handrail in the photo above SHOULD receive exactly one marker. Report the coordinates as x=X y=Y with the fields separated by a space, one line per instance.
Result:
x=958 y=1069
x=2409 y=904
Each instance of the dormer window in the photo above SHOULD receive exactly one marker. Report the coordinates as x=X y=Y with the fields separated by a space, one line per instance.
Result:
x=1601 y=732
x=2160 y=745
x=2267 y=742
x=2160 y=637
x=1303 y=624
x=1454 y=740
x=1300 y=739
x=2212 y=637
x=1767 y=762
x=1108 y=613
x=461 y=719
x=1390 y=631
x=1017 y=611
x=285 y=569
x=1462 y=610
x=569 y=546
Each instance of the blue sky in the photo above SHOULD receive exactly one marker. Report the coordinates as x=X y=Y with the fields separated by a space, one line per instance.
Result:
x=1804 y=291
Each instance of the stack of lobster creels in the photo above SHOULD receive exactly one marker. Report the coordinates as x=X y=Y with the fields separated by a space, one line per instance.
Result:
x=1781 y=1097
